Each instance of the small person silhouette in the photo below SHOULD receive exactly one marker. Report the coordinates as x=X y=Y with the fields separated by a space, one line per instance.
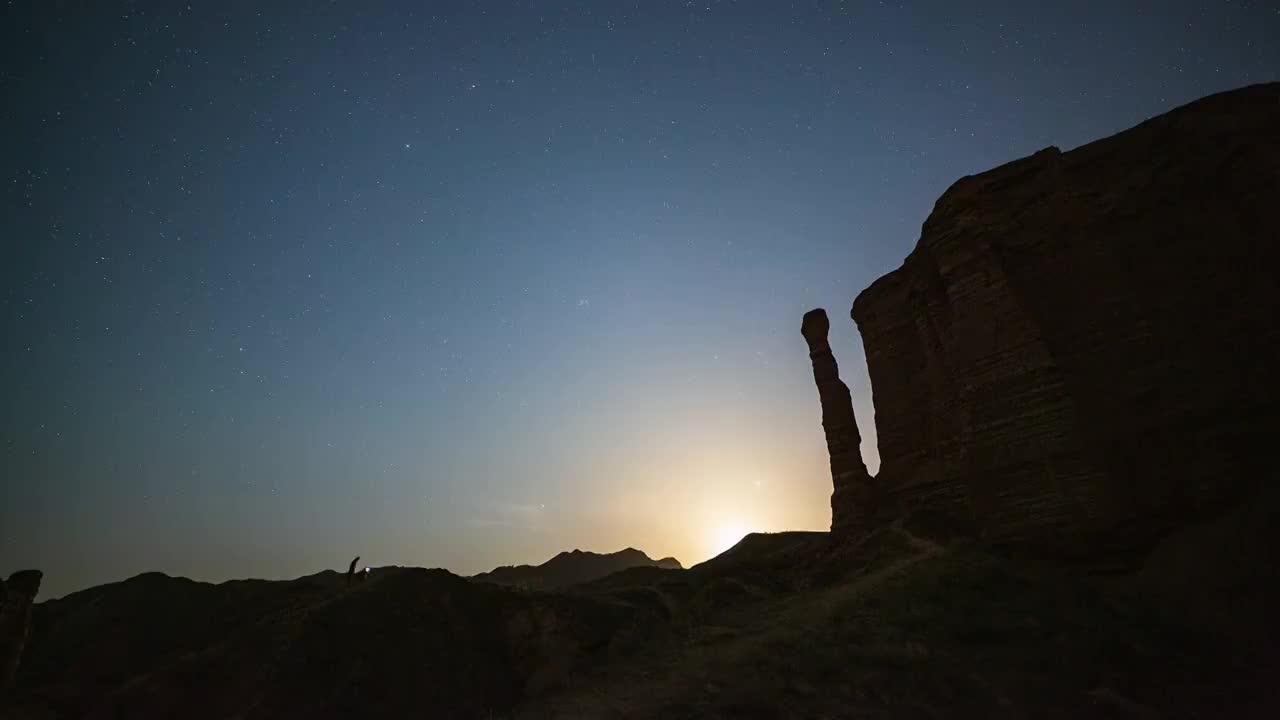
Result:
x=351 y=570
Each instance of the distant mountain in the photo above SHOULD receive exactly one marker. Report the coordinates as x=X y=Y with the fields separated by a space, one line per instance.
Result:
x=572 y=568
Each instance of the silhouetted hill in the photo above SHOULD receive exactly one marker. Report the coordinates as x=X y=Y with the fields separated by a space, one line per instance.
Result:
x=571 y=568
x=783 y=625
x=404 y=641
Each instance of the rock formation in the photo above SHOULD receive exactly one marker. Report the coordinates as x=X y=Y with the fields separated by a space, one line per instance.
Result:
x=1078 y=354
x=853 y=498
x=16 y=597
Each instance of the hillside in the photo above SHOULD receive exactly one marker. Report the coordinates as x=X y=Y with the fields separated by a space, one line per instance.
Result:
x=894 y=624
x=405 y=639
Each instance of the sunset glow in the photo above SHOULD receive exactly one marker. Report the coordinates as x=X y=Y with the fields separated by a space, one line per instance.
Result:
x=727 y=535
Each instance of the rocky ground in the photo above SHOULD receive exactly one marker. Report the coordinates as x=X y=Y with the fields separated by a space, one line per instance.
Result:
x=901 y=621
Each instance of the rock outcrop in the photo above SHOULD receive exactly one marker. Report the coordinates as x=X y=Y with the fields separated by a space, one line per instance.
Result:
x=853 y=498
x=1079 y=353
x=16 y=597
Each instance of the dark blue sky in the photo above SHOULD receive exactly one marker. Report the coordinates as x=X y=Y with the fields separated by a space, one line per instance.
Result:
x=466 y=285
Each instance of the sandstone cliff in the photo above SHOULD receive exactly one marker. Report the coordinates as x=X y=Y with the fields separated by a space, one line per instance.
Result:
x=1078 y=354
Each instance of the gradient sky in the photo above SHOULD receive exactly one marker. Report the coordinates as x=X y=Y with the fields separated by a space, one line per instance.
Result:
x=467 y=285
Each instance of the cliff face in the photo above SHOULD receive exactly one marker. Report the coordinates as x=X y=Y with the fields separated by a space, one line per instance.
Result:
x=1078 y=353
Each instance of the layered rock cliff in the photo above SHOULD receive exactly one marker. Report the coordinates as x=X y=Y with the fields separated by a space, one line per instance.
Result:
x=1079 y=352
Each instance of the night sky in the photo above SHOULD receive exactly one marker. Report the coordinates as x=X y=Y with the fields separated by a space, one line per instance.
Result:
x=467 y=285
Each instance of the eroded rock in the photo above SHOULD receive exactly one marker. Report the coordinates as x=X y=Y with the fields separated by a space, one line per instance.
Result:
x=1078 y=354
x=853 y=498
x=16 y=596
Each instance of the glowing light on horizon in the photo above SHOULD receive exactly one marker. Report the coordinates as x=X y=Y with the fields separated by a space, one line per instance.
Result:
x=727 y=534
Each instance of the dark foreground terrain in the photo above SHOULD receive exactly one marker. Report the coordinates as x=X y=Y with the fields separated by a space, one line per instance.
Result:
x=1077 y=512
x=900 y=622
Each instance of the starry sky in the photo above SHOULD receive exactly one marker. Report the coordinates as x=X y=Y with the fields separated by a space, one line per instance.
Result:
x=467 y=284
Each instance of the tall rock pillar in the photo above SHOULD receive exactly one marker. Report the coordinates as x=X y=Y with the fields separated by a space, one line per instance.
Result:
x=16 y=596
x=854 y=496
